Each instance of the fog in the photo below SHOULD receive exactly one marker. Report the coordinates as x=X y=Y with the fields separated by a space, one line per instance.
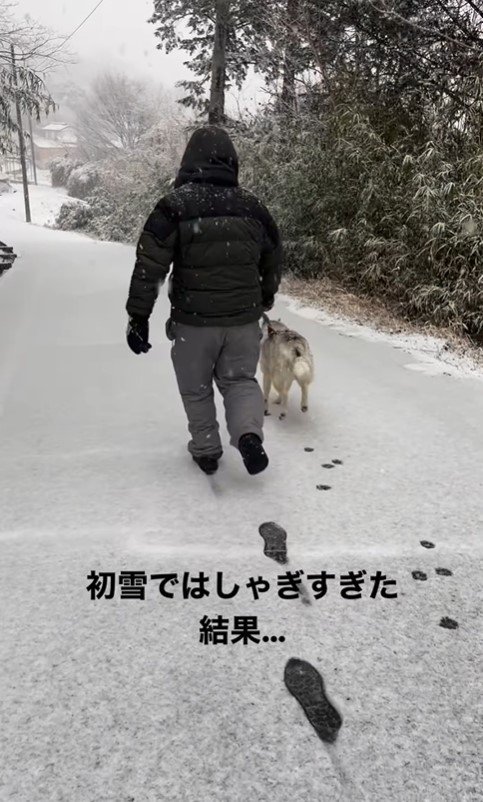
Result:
x=118 y=36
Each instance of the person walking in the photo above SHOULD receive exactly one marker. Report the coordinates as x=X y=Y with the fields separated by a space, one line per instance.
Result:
x=226 y=254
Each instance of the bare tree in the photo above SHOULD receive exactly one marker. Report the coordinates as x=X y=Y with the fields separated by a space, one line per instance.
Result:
x=36 y=51
x=115 y=114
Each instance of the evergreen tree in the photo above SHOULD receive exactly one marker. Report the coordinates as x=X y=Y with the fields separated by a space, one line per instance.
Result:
x=35 y=50
x=222 y=39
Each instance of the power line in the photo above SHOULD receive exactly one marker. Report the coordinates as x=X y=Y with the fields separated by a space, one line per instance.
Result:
x=83 y=21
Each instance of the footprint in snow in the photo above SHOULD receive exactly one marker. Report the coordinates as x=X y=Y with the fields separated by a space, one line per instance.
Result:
x=419 y=575
x=443 y=571
x=304 y=682
x=448 y=623
x=275 y=538
x=323 y=487
x=427 y=544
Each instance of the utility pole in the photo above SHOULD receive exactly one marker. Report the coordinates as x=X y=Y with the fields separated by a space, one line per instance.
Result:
x=32 y=148
x=21 y=138
x=216 y=113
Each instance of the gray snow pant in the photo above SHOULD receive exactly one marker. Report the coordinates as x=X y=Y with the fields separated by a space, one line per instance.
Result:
x=229 y=355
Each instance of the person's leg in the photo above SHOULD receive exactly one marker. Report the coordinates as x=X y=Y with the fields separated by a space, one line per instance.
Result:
x=194 y=354
x=235 y=372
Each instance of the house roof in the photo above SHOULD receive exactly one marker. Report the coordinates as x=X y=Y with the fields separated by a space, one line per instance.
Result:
x=42 y=142
x=55 y=126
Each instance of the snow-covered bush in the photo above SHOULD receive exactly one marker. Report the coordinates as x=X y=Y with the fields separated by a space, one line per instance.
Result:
x=60 y=170
x=82 y=181
x=129 y=189
x=128 y=185
x=283 y=168
x=400 y=219
x=73 y=216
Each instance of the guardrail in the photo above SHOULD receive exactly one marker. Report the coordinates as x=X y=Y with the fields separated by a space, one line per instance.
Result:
x=7 y=257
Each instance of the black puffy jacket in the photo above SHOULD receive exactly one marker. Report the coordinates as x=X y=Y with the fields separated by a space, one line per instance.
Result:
x=222 y=242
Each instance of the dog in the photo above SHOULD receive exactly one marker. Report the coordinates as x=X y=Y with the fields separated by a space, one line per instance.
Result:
x=285 y=357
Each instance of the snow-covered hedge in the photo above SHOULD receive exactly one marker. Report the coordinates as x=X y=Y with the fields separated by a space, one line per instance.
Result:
x=398 y=219
x=60 y=170
x=120 y=192
x=82 y=181
x=74 y=215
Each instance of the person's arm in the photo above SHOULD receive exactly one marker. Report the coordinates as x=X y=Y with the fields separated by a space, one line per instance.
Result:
x=271 y=260
x=154 y=255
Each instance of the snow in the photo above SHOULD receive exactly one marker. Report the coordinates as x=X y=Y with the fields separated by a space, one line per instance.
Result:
x=43 y=142
x=45 y=202
x=56 y=127
x=432 y=353
x=117 y=700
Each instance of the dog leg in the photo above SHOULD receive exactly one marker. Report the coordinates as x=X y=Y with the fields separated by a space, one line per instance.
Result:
x=267 y=383
x=279 y=390
x=284 y=400
x=284 y=404
x=305 y=397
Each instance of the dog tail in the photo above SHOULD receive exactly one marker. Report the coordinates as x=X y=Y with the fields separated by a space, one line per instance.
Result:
x=302 y=370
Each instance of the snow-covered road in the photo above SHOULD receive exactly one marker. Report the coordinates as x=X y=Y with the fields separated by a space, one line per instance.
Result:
x=117 y=699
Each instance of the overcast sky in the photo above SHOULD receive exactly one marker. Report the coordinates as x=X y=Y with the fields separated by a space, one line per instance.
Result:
x=116 y=36
x=118 y=32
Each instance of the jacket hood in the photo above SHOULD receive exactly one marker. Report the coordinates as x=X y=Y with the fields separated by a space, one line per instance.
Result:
x=210 y=158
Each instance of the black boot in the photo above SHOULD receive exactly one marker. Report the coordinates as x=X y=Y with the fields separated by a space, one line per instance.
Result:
x=208 y=465
x=253 y=453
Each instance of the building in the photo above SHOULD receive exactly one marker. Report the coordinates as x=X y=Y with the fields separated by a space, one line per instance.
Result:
x=54 y=141
x=60 y=132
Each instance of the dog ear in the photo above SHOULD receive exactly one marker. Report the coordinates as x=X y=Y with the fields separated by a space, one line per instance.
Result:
x=270 y=330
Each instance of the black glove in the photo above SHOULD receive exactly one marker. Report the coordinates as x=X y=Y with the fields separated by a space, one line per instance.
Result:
x=138 y=334
x=268 y=303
